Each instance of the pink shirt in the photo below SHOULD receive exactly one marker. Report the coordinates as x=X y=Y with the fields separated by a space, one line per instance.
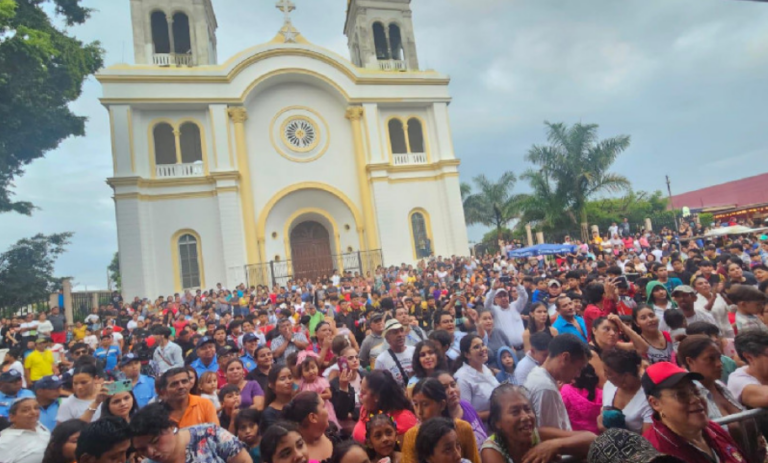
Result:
x=582 y=412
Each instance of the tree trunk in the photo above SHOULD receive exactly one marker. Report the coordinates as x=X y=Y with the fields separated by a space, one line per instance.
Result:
x=584 y=225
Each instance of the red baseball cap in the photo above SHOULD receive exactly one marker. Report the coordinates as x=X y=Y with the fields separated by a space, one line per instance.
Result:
x=665 y=375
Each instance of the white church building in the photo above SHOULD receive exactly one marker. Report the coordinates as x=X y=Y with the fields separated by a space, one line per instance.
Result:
x=287 y=160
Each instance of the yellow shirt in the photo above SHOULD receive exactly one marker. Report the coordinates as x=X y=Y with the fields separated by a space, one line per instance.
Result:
x=79 y=333
x=39 y=364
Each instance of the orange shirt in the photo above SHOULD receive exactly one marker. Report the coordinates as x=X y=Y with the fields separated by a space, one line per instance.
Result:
x=199 y=411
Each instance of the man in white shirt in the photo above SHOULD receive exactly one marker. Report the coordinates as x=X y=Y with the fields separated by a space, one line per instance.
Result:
x=749 y=384
x=398 y=358
x=685 y=297
x=506 y=314
x=167 y=354
x=568 y=355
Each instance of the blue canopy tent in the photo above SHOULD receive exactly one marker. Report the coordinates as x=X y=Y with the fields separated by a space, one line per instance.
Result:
x=542 y=250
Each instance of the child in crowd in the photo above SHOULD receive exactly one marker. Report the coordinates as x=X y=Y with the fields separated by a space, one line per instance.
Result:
x=309 y=369
x=247 y=430
x=750 y=304
x=209 y=382
x=584 y=400
x=675 y=320
x=507 y=362
x=381 y=439
x=229 y=396
x=90 y=339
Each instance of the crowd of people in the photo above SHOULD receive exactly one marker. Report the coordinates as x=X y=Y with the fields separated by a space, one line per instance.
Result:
x=615 y=352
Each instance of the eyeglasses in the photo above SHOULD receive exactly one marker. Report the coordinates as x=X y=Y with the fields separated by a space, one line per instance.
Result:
x=684 y=396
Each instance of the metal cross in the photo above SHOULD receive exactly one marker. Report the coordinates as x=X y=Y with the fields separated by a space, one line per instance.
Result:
x=286 y=6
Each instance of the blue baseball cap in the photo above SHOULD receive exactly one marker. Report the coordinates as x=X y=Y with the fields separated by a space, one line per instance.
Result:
x=128 y=358
x=205 y=340
x=10 y=376
x=248 y=337
x=48 y=382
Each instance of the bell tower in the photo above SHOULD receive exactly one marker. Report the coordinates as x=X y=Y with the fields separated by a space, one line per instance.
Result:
x=174 y=32
x=380 y=35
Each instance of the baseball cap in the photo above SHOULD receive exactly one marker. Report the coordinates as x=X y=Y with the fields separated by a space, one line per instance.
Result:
x=392 y=324
x=48 y=382
x=376 y=317
x=128 y=358
x=621 y=445
x=683 y=289
x=10 y=376
x=664 y=375
x=248 y=337
x=553 y=283
x=42 y=339
x=225 y=350
x=205 y=340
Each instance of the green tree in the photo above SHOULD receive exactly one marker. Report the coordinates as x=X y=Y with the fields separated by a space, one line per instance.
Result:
x=114 y=272
x=26 y=269
x=42 y=70
x=493 y=205
x=578 y=162
x=545 y=209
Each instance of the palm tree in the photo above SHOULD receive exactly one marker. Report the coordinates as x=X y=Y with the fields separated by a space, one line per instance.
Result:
x=546 y=207
x=493 y=205
x=579 y=162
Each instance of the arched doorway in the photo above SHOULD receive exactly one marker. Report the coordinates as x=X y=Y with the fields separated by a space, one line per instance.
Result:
x=311 y=250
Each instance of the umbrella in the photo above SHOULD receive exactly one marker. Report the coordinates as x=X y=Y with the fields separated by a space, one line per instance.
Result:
x=734 y=230
x=542 y=250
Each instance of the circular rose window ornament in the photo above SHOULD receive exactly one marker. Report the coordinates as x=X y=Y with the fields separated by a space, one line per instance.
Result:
x=299 y=134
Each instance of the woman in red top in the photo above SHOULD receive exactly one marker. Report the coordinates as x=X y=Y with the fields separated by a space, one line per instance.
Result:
x=681 y=427
x=380 y=394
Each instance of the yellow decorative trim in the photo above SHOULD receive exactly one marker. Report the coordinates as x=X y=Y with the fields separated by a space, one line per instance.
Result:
x=229 y=145
x=427 y=224
x=239 y=115
x=227 y=189
x=176 y=126
x=334 y=231
x=178 y=75
x=264 y=215
x=213 y=138
x=279 y=72
x=355 y=115
x=318 y=140
x=203 y=142
x=176 y=262
x=238 y=101
x=424 y=136
x=166 y=196
x=288 y=142
x=415 y=179
x=112 y=136
x=369 y=153
x=130 y=140
x=139 y=182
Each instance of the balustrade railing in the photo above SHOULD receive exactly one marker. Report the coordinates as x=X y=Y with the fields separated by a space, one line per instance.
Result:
x=193 y=169
x=392 y=65
x=409 y=158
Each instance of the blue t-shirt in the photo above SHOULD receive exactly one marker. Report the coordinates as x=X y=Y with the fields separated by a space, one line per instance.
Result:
x=110 y=356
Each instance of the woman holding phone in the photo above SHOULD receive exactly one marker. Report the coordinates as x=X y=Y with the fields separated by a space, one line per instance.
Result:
x=346 y=388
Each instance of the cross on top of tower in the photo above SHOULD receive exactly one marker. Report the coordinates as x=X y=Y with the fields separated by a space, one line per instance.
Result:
x=288 y=31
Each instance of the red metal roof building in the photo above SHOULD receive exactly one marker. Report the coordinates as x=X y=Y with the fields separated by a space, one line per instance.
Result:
x=745 y=197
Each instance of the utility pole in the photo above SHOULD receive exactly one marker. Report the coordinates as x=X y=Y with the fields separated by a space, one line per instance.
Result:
x=669 y=192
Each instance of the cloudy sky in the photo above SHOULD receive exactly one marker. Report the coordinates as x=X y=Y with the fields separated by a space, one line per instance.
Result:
x=685 y=78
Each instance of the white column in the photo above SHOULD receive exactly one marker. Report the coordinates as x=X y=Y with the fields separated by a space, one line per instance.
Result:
x=443 y=129
x=121 y=143
x=221 y=158
x=376 y=139
x=129 y=239
x=233 y=244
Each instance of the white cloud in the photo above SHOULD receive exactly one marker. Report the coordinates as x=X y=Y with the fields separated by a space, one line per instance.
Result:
x=685 y=78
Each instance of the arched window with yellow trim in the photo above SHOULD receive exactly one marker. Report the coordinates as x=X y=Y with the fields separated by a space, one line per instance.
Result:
x=189 y=261
x=165 y=144
x=397 y=136
x=421 y=233
x=191 y=144
x=415 y=135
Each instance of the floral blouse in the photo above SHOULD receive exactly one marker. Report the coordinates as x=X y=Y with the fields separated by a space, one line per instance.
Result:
x=209 y=443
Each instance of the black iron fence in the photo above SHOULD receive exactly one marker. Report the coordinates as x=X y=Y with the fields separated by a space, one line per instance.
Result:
x=280 y=272
x=84 y=301
x=35 y=307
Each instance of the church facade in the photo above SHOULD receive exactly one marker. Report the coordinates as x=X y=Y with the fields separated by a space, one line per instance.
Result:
x=287 y=160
